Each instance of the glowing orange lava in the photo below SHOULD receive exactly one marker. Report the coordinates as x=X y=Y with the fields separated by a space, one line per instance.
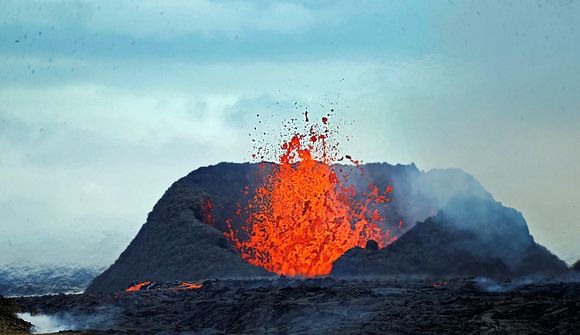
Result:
x=138 y=287
x=302 y=218
x=189 y=286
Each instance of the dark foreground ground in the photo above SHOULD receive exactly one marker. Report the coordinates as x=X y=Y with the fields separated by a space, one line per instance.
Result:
x=325 y=306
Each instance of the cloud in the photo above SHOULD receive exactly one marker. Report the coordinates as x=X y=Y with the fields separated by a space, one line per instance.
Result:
x=165 y=19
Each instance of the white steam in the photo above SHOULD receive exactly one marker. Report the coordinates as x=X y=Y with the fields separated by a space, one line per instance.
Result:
x=45 y=323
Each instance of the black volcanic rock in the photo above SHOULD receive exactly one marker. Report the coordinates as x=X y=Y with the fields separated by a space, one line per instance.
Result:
x=576 y=266
x=9 y=323
x=326 y=306
x=372 y=245
x=183 y=236
x=469 y=237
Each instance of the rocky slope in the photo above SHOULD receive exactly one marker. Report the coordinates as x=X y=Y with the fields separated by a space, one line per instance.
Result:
x=9 y=323
x=176 y=244
x=468 y=237
x=182 y=238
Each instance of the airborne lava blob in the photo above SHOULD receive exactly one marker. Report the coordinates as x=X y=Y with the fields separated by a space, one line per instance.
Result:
x=303 y=217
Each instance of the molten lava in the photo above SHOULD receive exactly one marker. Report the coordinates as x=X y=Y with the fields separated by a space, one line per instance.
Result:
x=139 y=286
x=303 y=217
x=189 y=286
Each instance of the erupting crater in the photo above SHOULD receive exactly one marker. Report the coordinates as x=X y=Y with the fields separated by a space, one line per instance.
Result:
x=305 y=214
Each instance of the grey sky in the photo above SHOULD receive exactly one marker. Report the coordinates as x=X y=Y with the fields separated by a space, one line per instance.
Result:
x=103 y=104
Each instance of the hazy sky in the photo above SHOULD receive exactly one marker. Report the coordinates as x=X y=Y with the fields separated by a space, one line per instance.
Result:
x=103 y=104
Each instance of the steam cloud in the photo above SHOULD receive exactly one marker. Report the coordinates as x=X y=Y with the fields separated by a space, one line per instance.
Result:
x=53 y=323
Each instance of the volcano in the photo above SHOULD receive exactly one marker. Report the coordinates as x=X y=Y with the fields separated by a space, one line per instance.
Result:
x=184 y=273
x=184 y=237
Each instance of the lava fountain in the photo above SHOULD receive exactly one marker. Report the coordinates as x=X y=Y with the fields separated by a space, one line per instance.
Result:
x=304 y=216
